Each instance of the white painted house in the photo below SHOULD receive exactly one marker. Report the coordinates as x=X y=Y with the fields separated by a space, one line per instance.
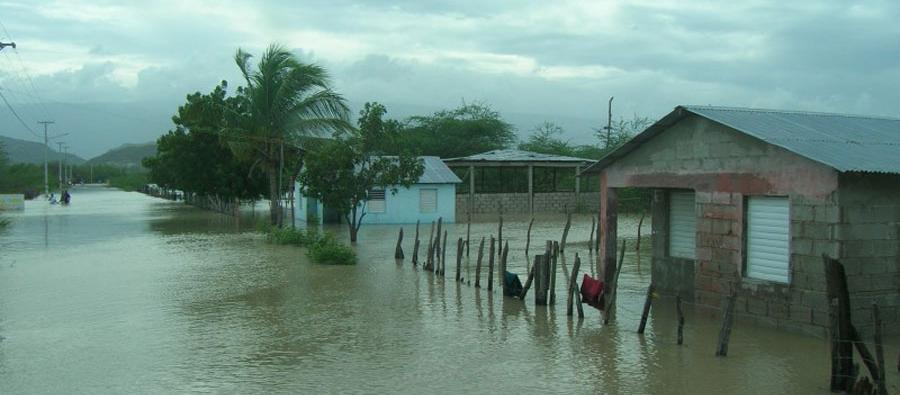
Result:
x=432 y=197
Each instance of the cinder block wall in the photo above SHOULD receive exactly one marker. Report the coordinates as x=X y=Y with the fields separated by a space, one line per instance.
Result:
x=869 y=227
x=552 y=202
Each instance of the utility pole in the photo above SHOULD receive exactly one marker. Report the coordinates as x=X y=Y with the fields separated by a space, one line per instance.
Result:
x=46 y=150
x=60 y=145
x=609 y=122
x=67 y=179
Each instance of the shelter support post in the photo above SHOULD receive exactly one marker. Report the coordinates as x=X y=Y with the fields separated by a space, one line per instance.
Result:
x=531 y=189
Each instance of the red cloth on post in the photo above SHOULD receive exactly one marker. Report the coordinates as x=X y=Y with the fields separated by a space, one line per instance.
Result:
x=591 y=291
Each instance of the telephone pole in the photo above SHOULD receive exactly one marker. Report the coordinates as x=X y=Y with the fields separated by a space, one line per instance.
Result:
x=46 y=150
x=60 y=145
x=609 y=122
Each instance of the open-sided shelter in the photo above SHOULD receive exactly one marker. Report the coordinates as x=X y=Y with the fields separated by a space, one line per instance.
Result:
x=516 y=181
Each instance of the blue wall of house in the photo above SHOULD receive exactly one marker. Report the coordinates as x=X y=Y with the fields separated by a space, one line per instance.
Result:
x=400 y=208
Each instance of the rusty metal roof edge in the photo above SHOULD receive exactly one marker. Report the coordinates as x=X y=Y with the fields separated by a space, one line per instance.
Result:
x=683 y=110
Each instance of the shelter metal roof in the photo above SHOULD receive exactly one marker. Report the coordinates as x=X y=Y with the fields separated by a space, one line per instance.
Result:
x=436 y=172
x=513 y=155
x=844 y=142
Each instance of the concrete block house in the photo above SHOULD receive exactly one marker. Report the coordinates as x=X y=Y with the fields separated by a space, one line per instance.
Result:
x=432 y=197
x=751 y=199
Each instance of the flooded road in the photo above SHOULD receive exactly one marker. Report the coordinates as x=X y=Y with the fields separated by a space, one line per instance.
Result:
x=124 y=293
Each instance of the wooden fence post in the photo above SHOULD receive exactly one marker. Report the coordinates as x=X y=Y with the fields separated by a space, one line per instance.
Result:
x=500 y=234
x=570 y=295
x=614 y=288
x=554 y=256
x=415 y=258
x=836 y=289
x=491 y=265
x=437 y=242
x=879 y=350
x=647 y=303
x=530 y=279
x=444 y=255
x=591 y=239
x=478 y=265
x=398 y=252
x=541 y=280
x=459 y=251
x=503 y=257
x=727 y=320
x=565 y=235
x=528 y=239
x=637 y=245
x=680 y=319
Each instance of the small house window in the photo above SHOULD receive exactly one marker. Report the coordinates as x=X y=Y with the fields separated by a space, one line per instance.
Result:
x=768 y=238
x=376 y=201
x=427 y=200
x=682 y=225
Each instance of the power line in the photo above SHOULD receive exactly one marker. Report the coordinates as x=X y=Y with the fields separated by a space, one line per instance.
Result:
x=40 y=101
x=11 y=109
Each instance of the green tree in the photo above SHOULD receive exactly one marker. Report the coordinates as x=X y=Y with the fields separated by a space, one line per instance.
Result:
x=378 y=135
x=546 y=139
x=343 y=171
x=467 y=130
x=284 y=100
x=621 y=131
x=195 y=156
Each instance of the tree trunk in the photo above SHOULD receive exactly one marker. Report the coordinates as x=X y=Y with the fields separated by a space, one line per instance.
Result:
x=274 y=201
x=352 y=224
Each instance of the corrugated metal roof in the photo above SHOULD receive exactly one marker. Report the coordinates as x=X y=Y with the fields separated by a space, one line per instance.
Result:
x=436 y=172
x=843 y=142
x=513 y=155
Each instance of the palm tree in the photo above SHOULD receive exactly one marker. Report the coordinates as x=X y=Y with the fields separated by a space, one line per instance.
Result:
x=284 y=101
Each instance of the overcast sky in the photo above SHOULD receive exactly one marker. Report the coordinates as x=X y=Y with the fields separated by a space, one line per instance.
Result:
x=532 y=60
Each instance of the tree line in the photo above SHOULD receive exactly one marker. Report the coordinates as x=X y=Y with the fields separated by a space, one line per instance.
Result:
x=286 y=123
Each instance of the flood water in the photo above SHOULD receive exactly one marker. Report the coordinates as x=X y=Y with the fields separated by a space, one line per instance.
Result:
x=124 y=293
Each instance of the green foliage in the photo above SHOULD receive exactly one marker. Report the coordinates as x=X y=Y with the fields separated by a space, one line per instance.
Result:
x=322 y=248
x=328 y=251
x=129 y=180
x=467 y=130
x=4 y=223
x=283 y=101
x=622 y=131
x=290 y=236
x=196 y=159
x=341 y=172
x=546 y=139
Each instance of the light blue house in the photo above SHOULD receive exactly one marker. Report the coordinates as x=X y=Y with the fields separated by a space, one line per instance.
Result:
x=432 y=197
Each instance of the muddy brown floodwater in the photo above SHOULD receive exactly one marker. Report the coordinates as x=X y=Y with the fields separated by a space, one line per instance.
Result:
x=124 y=293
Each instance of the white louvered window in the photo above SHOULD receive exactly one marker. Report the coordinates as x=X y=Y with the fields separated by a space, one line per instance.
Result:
x=768 y=238
x=682 y=225
x=376 y=201
x=427 y=200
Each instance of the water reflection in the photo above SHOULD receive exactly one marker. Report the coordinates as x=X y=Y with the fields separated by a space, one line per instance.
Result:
x=125 y=293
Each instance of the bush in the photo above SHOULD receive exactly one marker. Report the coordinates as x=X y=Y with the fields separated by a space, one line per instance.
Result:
x=322 y=248
x=327 y=251
x=4 y=223
x=290 y=236
x=128 y=181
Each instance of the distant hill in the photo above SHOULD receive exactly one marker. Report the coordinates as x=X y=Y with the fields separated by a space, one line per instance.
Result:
x=126 y=155
x=24 y=151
